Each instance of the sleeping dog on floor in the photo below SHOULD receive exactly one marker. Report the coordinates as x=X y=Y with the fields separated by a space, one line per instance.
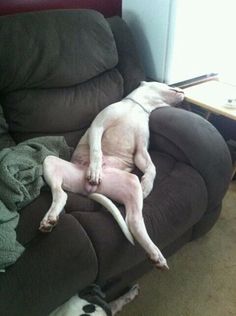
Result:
x=91 y=301
x=101 y=164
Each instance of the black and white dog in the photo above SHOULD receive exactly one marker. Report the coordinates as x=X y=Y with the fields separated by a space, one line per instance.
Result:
x=91 y=301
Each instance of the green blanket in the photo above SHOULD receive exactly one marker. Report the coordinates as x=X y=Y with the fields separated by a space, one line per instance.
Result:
x=20 y=182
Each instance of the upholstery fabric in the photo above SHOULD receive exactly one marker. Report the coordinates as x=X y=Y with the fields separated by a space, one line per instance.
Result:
x=46 y=108
x=129 y=63
x=207 y=153
x=46 y=56
x=6 y=138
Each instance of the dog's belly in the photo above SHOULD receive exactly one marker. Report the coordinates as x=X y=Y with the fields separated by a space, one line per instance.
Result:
x=81 y=159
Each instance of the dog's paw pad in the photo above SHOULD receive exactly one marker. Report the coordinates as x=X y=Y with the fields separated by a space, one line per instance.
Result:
x=160 y=263
x=46 y=226
x=45 y=229
x=94 y=172
x=52 y=221
x=94 y=182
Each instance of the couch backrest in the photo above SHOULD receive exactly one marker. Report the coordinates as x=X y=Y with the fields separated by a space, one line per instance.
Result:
x=58 y=69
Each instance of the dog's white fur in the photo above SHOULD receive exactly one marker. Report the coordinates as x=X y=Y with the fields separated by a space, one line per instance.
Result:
x=116 y=141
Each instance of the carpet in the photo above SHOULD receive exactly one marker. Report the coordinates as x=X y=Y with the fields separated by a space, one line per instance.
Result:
x=202 y=276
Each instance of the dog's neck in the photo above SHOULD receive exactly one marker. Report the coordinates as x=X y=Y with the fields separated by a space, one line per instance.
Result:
x=145 y=101
x=139 y=104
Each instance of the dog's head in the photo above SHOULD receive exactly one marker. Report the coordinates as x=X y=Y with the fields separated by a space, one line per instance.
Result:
x=160 y=93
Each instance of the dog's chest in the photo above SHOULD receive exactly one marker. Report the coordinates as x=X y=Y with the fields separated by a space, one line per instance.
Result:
x=119 y=139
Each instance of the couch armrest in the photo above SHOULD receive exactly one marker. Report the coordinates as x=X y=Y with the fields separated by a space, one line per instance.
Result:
x=191 y=139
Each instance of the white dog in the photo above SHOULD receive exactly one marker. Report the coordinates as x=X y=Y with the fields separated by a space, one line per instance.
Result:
x=103 y=159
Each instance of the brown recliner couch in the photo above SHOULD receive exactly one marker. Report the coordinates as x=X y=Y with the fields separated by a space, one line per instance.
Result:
x=58 y=69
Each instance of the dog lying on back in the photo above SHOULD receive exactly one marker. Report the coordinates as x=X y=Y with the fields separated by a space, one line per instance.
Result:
x=101 y=164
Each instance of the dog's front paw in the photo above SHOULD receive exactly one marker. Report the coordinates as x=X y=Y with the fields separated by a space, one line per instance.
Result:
x=94 y=174
x=147 y=185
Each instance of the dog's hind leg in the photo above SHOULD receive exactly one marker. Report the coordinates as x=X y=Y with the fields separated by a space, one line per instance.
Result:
x=125 y=188
x=54 y=179
x=60 y=174
x=144 y=163
x=135 y=221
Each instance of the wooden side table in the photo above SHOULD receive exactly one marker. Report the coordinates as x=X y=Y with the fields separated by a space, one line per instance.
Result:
x=212 y=97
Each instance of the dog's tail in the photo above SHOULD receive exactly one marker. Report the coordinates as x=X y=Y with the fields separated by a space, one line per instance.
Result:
x=110 y=206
